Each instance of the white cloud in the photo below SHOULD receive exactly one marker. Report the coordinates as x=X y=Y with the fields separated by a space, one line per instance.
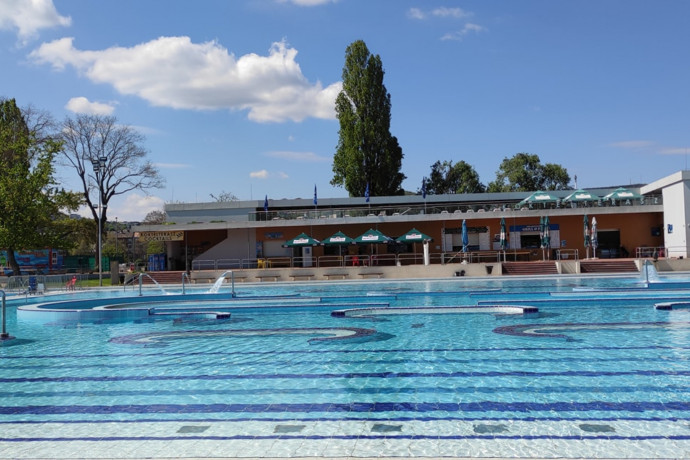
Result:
x=440 y=12
x=172 y=165
x=462 y=33
x=675 y=151
x=308 y=2
x=308 y=157
x=83 y=105
x=416 y=13
x=444 y=12
x=636 y=144
x=174 y=72
x=129 y=208
x=30 y=16
x=135 y=207
x=263 y=174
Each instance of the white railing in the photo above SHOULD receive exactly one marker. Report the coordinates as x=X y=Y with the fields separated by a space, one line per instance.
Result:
x=651 y=252
x=565 y=254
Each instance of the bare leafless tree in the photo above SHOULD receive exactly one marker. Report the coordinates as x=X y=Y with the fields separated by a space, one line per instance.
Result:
x=86 y=139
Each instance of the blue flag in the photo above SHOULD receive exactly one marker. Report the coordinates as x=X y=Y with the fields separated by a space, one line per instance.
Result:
x=366 y=193
x=266 y=203
x=315 y=200
x=424 y=188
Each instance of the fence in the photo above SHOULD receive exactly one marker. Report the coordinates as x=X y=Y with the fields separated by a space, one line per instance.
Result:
x=20 y=284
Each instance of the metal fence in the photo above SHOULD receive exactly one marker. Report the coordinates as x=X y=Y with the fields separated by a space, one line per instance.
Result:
x=22 y=284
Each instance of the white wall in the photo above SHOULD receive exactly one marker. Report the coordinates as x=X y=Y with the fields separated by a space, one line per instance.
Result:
x=239 y=244
x=676 y=211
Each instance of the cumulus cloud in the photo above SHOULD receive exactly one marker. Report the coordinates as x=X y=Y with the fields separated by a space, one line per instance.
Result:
x=307 y=157
x=131 y=207
x=135 y=207
x=440 y=12
x=307 y=2
x=263 y=174
x=462 y=33
x=172 y=165
x=635 y=144
x=174 y=72
x=28 y=17
x=83 y=105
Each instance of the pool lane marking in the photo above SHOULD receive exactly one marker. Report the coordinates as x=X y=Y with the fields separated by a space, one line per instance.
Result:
x=356 y=407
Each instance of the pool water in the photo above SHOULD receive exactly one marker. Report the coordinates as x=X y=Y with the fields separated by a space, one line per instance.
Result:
x=595 y=373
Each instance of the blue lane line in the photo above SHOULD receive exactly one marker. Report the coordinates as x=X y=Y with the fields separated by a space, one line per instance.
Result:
x=676 y=390
x=352 y=419
x=349 y=437
x=349 y=375
x=331 y=351
x=359 y=407
x=444 y=362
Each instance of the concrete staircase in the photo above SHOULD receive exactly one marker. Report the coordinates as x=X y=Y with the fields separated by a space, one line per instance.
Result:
x=530 y=268
x=608 y=266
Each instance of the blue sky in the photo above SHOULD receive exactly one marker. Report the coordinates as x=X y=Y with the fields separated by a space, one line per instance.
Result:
x=237 y=96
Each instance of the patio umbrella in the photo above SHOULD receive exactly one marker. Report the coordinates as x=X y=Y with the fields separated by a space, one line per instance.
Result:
x=503 y=240
x=337 y=239
x=300 y=241
x=585 y=224
x=413 y=236
x=581 y=195
x=595 y=238
x=372 y=236
x=539 y=197
x=622 y=193
x=465 y=237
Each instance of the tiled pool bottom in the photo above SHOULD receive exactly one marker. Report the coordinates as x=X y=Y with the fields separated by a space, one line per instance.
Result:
x=352 y=438
x=589 y=375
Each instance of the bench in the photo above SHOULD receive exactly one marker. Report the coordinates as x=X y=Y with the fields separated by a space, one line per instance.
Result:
x=264 y=276
x=302 y=276
x=371 y=274
x=341 y=276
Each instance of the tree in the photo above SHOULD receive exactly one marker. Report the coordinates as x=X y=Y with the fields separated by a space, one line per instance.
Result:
x=88 y=138
x=446 y=178
x=30 y=201
x=155 y=217
x=525 y=173
x=367 y=153
x=224 y=197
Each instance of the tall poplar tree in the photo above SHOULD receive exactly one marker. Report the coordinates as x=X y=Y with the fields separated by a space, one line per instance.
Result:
x=30 y=201
x=367 y=153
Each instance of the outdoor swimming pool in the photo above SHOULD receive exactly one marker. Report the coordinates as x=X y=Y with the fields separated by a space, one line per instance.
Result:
x=598 y=371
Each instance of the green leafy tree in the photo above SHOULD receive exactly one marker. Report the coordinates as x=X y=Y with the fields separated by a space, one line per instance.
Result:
x=449 y=178
x=524 y=172
x=30 y=201
x=367 y=153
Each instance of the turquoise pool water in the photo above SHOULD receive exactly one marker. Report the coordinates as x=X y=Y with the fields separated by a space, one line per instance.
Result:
x=598 y=370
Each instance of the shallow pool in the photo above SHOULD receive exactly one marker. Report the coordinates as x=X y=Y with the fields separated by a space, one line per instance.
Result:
x=597 y=372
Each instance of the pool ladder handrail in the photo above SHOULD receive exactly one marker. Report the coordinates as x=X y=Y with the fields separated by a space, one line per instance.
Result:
x=4 y=335
x=232 y=281
x=185 y=274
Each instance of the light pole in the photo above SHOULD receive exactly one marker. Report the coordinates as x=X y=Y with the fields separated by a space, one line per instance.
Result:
x=98 y=167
